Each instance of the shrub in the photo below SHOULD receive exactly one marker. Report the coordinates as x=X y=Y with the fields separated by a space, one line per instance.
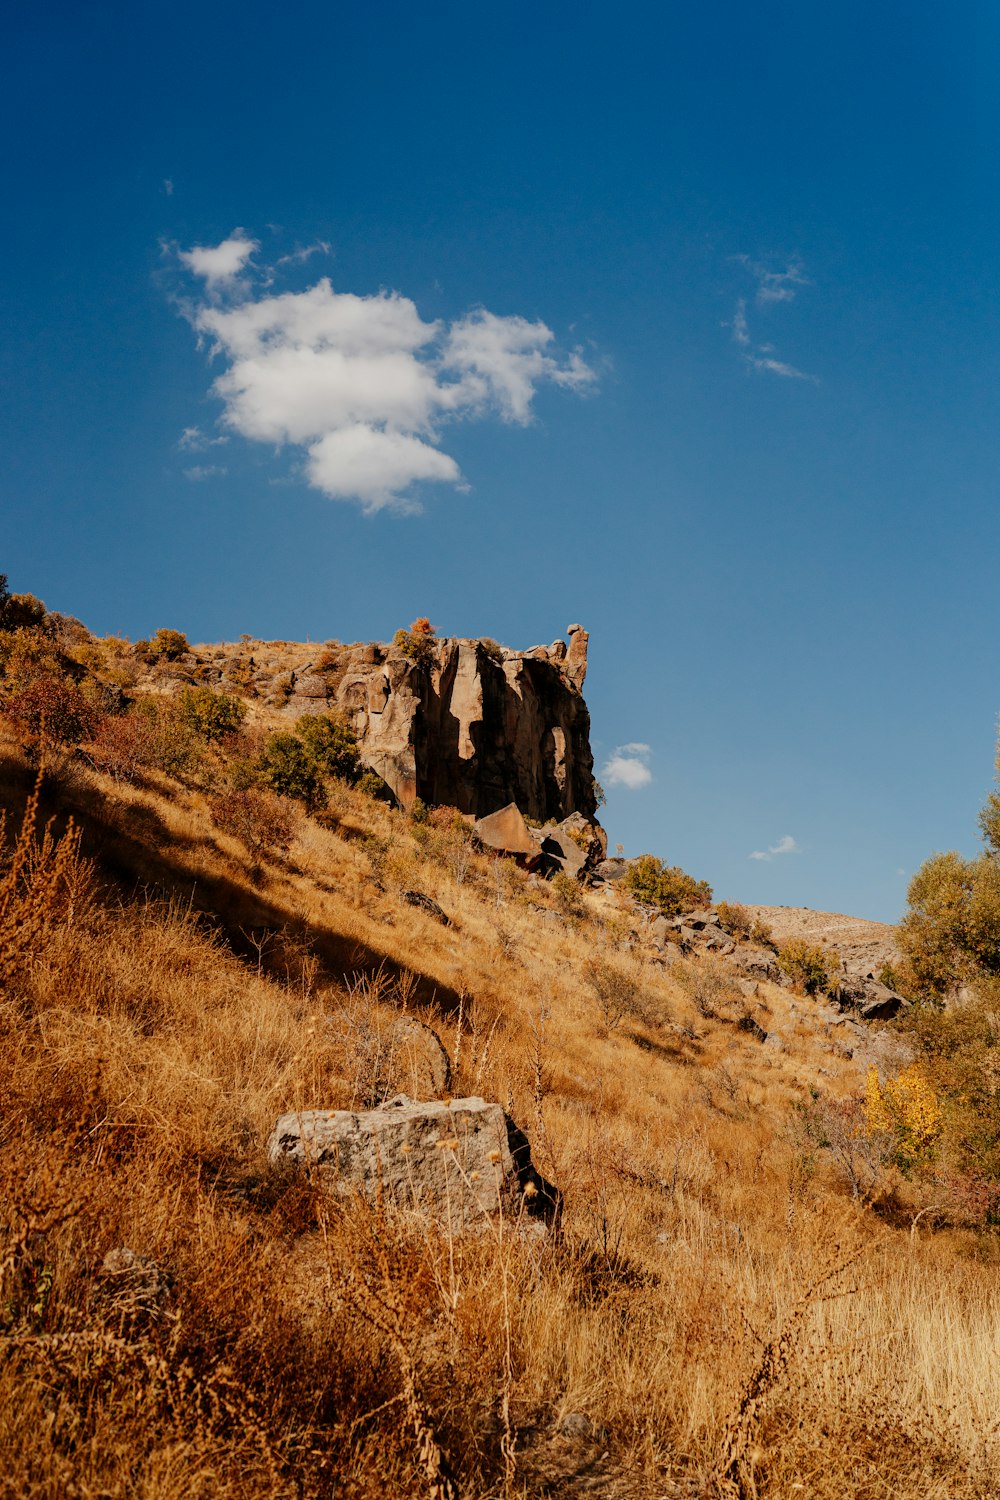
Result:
x=287 y=767
x=53 y=709
x=617 y=992
x=417 y=643
x=168 y=644
x=567 y=893
x=906 y=1109
x=260 y=820
x=372 y=785
x=123 y=745
x=19 y=611
x=212 y=716
x=26 y=655
x=810 y=966
x=332 y=743
x=171 y=745
x=492 y=649
x=735 y=919
x=665 y=886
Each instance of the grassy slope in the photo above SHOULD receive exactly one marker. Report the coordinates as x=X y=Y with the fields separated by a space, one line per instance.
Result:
x=717 y=1306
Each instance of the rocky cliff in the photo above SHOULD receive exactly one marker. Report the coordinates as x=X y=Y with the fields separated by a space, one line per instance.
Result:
x=474 y=725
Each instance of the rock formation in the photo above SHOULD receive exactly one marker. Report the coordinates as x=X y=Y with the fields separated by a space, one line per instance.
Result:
x=469 y=724
x=476 y=726
x=460 y=1162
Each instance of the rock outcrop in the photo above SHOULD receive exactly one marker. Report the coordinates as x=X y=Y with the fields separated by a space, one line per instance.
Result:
x=460 y=1162
x=475 y=726
x=461 y=723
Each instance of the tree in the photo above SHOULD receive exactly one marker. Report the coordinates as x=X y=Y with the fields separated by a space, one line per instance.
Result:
x=951 y=931
x=287 y=767
x=417 y=643
x=212 y=715
x=19 y=611
x=332 y=744
x=666 y=886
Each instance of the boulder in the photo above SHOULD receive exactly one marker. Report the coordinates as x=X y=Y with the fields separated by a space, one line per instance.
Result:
x=508 y=833
x=559 y=847
x=880 y=1003
x=459 y=1162
x=427 y=904
x=757 y=963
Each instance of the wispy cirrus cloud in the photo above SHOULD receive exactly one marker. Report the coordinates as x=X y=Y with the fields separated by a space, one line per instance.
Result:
x=785 y=845
x=361 y=385
x=193 y=440
x=772 y=286
x=628 y=766
x=200 y=472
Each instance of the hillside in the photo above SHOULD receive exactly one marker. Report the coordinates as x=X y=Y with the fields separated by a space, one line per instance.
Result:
x=864 y=945
x=741 y=1296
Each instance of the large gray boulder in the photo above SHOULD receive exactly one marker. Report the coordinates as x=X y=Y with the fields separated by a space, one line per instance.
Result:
x=460 y=1162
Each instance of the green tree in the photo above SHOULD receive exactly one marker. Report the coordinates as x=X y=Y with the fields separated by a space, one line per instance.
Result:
x=666 y=886
x=212 y=715
x=287 y=767
x=951 y=931
x=332 y=744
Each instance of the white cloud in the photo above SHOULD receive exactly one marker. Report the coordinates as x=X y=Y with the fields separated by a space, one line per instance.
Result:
x=785 y=845
x=199 y=472
x=299 y=257
x=779 y=367
x=772 y=286
x=775 y=286
x=362 y=383
x=627 y=766
x=168 y=187
x=219 y=265
x=739 y=326
x=193 y=440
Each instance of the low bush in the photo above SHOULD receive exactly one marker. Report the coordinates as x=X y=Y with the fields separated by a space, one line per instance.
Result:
x=261 y=821
x=51 y=709
x=667 y=887
x=212 y=716
x=815 y=969
x=417 y=643
x=19 y=611
x=168 y=645
x=332 y=743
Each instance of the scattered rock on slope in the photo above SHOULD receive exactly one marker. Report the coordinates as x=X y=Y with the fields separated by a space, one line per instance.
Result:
x=459 y=1162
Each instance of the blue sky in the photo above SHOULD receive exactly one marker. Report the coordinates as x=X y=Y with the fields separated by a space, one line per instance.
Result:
x=734 y=408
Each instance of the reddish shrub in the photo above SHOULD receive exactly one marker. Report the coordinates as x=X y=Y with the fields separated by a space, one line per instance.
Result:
x=257 y=818
x=124 y=745
x=51 y=708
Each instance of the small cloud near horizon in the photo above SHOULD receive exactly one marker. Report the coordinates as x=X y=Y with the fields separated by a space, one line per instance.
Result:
x=627 y=766
x=361 y=385
x=785 y=845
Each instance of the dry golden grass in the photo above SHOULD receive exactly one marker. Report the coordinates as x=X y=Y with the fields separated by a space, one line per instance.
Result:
x=726 y=1317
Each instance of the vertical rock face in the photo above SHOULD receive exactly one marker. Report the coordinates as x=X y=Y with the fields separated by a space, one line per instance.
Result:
x=476 y=726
